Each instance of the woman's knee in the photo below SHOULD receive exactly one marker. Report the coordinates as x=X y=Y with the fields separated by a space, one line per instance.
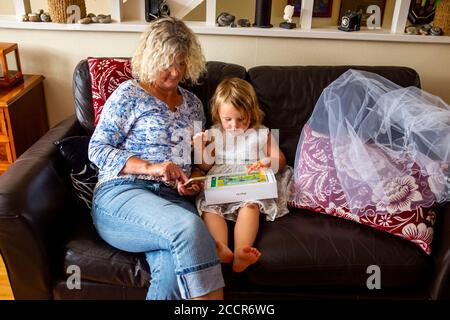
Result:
x=194 y=231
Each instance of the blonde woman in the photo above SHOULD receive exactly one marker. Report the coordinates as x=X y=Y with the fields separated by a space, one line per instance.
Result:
x=241 y=143
x=139 y=202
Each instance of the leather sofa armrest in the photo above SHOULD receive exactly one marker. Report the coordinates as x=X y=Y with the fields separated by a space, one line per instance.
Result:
x=34 y=214
x=440 y=284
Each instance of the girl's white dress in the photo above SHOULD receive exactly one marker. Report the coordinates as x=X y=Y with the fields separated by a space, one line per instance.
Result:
x=232 y=155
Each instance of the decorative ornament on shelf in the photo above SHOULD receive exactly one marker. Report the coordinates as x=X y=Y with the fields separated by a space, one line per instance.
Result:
x=225 y=19
x=374 y=20
x=38 y=16
x=74 y=12
x=263 y=11
x=288 y=13
x=363 y=5
x=10 y=68
x=66 y=11
x=92 y=18
x=351 y=21
x=244 y=23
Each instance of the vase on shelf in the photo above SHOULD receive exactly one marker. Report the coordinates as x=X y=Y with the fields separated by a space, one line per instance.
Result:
x=263 y=11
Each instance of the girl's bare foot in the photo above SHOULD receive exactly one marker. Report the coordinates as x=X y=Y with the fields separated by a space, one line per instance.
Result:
x=224 y=253
x=245 y=256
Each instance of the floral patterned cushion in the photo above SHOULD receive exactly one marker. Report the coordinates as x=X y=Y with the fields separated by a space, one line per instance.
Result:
x=106 y=75
x=410 y=215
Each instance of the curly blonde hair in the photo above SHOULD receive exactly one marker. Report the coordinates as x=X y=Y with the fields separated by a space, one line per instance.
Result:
x=165 y=39
x=242 y=96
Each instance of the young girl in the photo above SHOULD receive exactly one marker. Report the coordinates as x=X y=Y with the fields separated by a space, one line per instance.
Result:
x=235 y=111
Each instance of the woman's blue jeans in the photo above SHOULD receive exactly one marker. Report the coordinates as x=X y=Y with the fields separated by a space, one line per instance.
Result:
x=146 y=216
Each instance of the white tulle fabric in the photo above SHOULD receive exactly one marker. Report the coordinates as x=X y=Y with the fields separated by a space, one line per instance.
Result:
x=381 y=137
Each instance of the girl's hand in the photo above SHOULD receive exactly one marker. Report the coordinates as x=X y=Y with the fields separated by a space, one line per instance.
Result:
x=168 y=171
x=192 y=190
x=199 y=140
x=261 y=164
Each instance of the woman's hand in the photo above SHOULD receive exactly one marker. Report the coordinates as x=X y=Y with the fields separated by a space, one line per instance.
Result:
x=192 y=190
x=168 y=171
x=261 y=164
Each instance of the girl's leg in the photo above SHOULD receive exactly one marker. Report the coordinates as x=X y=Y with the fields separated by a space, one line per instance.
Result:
x=130 y=217
x=218 y=228
x=245 y=231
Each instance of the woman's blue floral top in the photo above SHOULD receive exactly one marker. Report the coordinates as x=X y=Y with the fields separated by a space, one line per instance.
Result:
x=134 y=123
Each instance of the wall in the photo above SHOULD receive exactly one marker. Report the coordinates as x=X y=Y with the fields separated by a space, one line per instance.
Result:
x=56 y=53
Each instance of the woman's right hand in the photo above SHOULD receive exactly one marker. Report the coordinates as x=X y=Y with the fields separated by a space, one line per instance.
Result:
x=168 y=171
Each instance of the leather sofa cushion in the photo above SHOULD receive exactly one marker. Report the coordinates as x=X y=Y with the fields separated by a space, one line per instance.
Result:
x=288 y=94
x=306 y=248
x=97 y=291
x=102 y=264
x=99 y=262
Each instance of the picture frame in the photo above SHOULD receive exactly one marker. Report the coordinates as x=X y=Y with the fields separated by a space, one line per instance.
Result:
x=361 y=4
x=421 y=12
x=322 y=8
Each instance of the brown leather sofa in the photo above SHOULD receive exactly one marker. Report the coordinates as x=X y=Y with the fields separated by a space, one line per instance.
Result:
x=305 y=255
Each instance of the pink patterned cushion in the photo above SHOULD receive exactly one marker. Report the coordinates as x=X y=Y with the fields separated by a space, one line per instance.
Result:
x=106 y=75
x=411 y=216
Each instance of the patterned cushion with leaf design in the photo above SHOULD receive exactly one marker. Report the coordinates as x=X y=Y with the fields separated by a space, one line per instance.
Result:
x=106 y=75
x=83 y=173
x=410 y=214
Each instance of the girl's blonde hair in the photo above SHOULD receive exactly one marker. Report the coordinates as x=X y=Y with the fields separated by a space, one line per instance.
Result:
x=165 y=39
x=242 y=96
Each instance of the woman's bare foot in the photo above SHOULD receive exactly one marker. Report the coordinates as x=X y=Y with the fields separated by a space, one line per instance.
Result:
x=224 y=253
x=245 y=256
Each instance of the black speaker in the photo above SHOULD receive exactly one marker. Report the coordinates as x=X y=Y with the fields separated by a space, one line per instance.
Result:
x=263 y=12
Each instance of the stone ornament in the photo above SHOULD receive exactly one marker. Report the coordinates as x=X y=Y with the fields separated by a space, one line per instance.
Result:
x=38 y=16
x=436 y=31
x=245 y=23
x=225 y=19
x=92 y=18
x=424 y=30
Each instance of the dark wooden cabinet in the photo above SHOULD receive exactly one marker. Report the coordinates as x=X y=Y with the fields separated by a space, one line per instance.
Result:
x=23 y=118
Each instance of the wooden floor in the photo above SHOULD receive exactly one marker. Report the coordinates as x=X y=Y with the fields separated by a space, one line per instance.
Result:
x=5 y=289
